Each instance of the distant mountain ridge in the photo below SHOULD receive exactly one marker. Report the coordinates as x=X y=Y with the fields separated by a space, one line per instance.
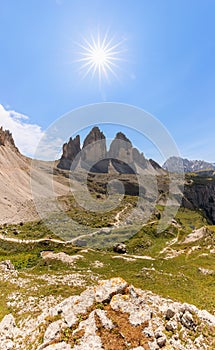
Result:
x=189 y=165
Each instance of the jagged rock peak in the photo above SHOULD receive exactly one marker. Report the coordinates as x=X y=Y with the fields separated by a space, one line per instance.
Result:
x=122 y=157
x=70 y=152
x=121 y=136
x=6 y=138
x=72 y=148
x=155 y=164
x=94 y=135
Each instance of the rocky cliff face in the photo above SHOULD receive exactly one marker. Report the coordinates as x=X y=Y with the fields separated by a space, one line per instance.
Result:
x=6 y=139
x=120 y=154
x=122 y=157
x=112 y=315
x=199 y=193
x=95 y=135
x=70 y=152
x=94 y=152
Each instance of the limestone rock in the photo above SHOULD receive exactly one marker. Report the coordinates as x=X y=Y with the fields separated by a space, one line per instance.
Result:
x=6 y=265
x=121 y=154
x=200 y=194
x=70 y=154
x=94 y=152
x=6 y=139
x=52 y=331
x=65 y=258
x=110 y=312
x=71 y=307
x=161 y=341
x=8 y=332
x=108 y=288
x=95 y=135
x=122 y=157
x=120 y=248
x=90 y=340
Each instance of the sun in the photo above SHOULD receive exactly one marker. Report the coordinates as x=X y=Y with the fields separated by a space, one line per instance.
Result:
x=100 y=56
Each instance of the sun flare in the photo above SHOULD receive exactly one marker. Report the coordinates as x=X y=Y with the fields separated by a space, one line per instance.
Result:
x=99 y=56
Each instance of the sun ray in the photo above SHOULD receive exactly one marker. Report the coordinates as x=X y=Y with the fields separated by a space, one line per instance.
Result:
x=99 y=56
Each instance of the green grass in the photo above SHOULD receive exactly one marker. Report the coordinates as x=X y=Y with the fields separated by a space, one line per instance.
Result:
x=27 y=230
x=190 y=219
x=177 y=278
x=96 y=219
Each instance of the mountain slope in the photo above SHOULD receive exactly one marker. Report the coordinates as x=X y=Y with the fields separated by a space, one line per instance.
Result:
x=16 y=181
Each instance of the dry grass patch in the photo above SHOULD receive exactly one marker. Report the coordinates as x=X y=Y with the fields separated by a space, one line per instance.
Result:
x=124 y=335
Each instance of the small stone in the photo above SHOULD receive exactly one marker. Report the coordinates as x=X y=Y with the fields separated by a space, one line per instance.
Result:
x=153 y=345
x=169 y=314
x=161 y=341
x=158 y=333
x=171 y=326
x=187 y=320
x=7 y=265
x=148 y=332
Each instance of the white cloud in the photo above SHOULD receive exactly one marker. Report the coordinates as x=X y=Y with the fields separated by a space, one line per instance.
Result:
x=26 y=135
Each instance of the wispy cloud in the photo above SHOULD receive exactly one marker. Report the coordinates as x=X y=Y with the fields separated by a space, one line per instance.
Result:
x=49 y=148
x=26 y=135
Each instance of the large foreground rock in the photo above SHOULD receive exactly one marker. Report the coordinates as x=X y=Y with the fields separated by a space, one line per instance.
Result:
x=113 y=315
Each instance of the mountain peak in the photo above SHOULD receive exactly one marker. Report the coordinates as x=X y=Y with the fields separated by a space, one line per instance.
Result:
x=123 y=137
x=94 y=135
x=6 y=139
x=173 y=163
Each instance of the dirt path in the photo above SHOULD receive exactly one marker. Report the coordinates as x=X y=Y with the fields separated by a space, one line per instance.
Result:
x=117 y=217
x=27 y=241
x=171 y=243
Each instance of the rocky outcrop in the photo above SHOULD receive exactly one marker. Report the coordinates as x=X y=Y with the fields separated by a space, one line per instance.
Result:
x=70 y=152
x=8 y=332
x=94 y=135
x=189 y=166
x=65 y=258
x=112 y=315
x=94 y=152
x=120 y=154
x=120 y=248
x=155 y=164
x=199 y=193
x=121 y=158
x=6 y=139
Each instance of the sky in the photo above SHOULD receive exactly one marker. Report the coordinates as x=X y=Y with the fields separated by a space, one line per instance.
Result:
x=166 y=67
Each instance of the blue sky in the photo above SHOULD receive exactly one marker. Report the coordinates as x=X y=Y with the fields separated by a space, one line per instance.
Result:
x=169 y=67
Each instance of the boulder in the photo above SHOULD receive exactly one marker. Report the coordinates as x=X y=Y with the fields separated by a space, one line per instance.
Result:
x=120 y=248
x=107 y=288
